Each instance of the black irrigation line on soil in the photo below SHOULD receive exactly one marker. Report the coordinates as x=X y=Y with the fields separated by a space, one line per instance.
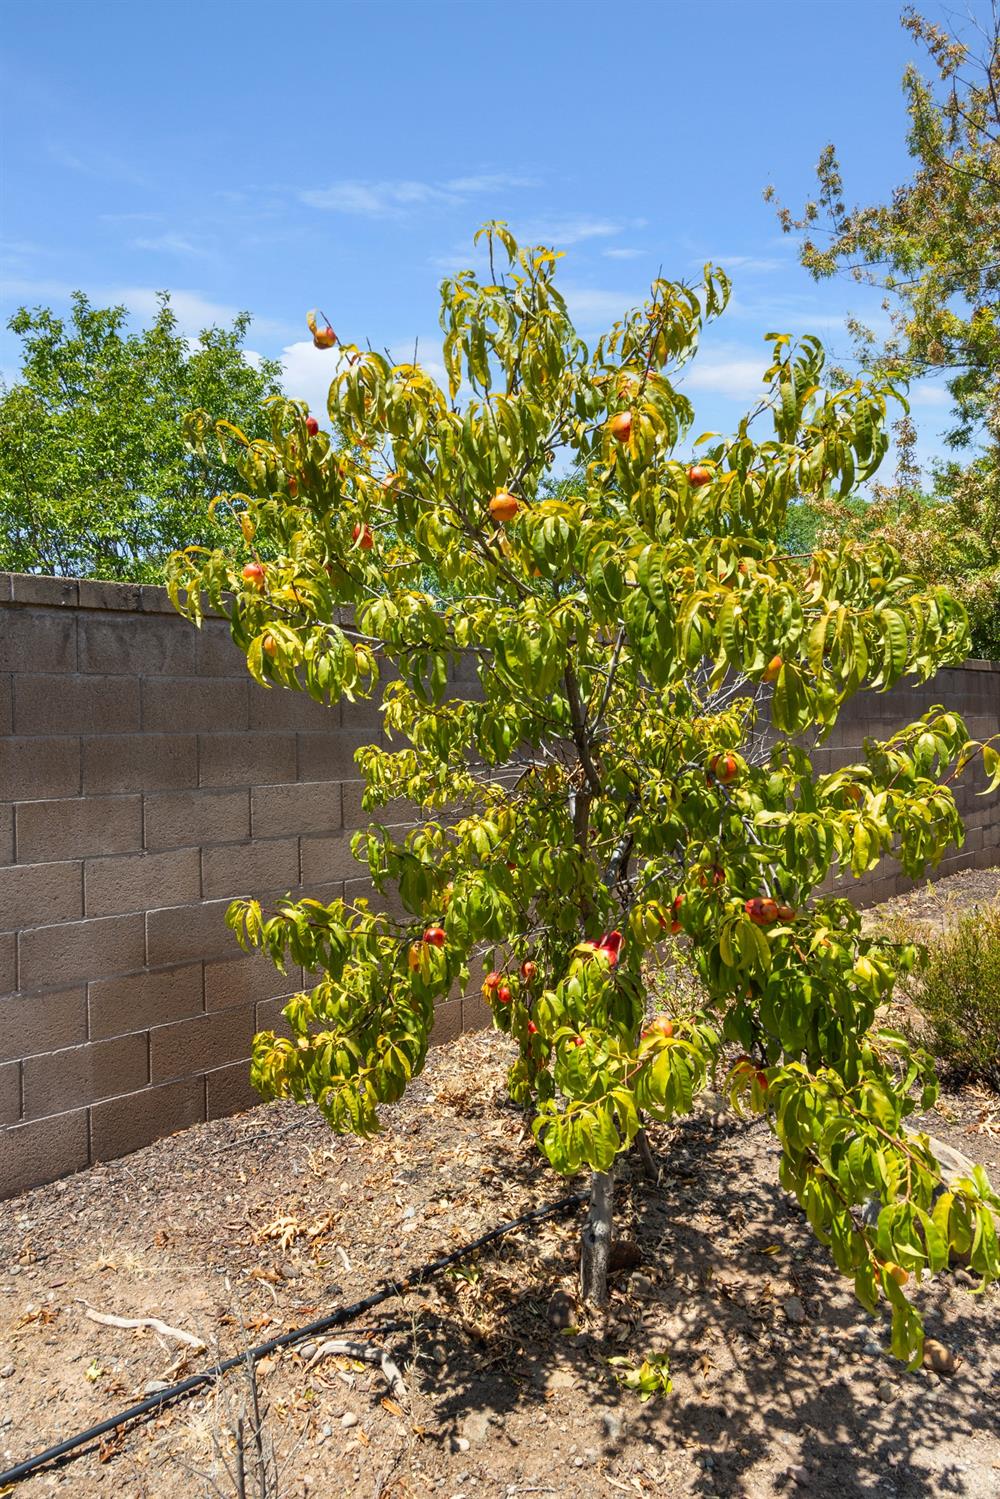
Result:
x=336 y=1319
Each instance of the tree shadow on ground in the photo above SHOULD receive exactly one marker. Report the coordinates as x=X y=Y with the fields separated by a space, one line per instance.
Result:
x=774 y=1362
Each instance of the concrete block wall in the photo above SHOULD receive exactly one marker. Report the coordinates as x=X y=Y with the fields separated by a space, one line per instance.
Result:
x=146 y=780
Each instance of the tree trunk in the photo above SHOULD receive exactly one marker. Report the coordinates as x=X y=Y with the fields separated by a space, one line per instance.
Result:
x=650 y=1169
x=595 y=1241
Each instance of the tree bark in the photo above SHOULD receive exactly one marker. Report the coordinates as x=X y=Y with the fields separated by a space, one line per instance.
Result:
x=646 y=1156
x=595 y=1241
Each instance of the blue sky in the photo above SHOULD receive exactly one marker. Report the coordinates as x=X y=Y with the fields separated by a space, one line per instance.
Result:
x=247 y=155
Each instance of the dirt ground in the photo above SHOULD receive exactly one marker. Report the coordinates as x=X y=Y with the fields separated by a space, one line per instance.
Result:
x=237 y=1230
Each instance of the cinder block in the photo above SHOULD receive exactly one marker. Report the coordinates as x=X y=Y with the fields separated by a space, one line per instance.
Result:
x=33 y=588
x=389 y=903
x=400 y=814
x=10 y=1092
x=181 y=934
x=6 y=701
x=156 y=600
x=121 y=1125
x=98 y=593
x=80 y=950
x=6 y=833
x=40 y=894
x=35 y=768
x=193 y=1046
x=247 y=980
x=63 y=1080
x=76 y=826
x=329 y=859
x=245 y=759
x=38 y=640
x=153 y=997
x=330 y=757
x=192 y=818
x=75 y=705
x=270 y=1018
x=447 y=1022
x=282 y=708
x=139 y=882
x=228 y=1090
x=42 y=1151
x=476 y=1013
x=247 y=869
x=144 y=646
x=139 y=762
x=302 y=807
x=193 y=704
x=8 y=962
x=215 y=653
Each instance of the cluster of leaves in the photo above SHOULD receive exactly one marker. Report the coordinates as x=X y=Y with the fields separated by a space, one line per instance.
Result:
x=571 y=702
x=648 y=1379
x=951 y=534
x=96 y=479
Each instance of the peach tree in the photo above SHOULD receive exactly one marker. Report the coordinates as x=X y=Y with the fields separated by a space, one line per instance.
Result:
x=571 y=613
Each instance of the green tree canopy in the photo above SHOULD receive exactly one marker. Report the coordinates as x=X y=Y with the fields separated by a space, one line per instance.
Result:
x=95 y=479
x=571 y=720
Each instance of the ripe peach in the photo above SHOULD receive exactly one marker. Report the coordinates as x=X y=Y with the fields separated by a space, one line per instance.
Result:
x=504 y=506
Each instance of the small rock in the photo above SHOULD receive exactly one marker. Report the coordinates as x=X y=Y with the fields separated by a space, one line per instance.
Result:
x=794 y=1310
x=936 y=1357
x=476 y=1426
x=327 y=1431
x=885 y=1391
x=614 y=1426
x=799 y=1474
x=151 y=1387
x=560 y=1379
x=460 y=1444
x=561 y=1310
x=307 y=1351
x=348 y=1419
x=6 y=1371
x=641 y=1285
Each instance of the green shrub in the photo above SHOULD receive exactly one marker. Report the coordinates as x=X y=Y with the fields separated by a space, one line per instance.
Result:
x=956 y=988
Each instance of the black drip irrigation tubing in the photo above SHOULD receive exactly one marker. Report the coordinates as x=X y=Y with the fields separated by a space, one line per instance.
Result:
x=250 y=1355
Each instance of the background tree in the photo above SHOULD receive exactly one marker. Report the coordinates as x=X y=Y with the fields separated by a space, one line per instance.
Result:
x=933 y=248
x=95 y=478
x=588 y=794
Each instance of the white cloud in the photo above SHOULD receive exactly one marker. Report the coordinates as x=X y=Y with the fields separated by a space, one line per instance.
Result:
x=169 y=244
x=390 y=197
x=731 y=372
x=592 y=307
x=573 y=230
x=17 y=288
x=754 y=263
x=489 y=182
x=307 y=373
x=923 y=394
x=192 y=310
x=622 y=252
